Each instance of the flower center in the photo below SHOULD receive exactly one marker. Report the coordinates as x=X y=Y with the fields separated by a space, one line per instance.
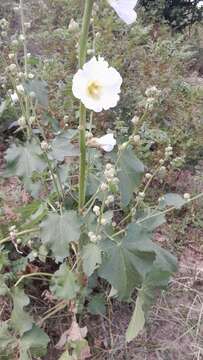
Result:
x=94 y=89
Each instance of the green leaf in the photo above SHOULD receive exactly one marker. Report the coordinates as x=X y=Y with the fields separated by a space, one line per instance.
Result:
x=62 y=146
x=64 y=283
x=6 y=339
x=152 y=220
x=33 y=188
x=23 y=160
x=127 y=262
x=57 y=231
x=172 y=199
x=39 y=87
x=91 y=257
x=130 y=173
x=34 y=342
x=97 y=305
x=20 y=319
x=137 y=321
x=19 y=265
x=164 y=266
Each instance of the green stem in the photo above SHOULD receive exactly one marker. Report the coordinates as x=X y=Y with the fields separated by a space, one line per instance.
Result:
x=82 y=127
x=24 y=232
x=158 y=213
x=32 y=275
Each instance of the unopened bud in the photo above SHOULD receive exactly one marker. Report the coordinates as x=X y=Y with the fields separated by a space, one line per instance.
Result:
x=73 y=26
x=148 y=176
x=136 y=139
x=186 y=196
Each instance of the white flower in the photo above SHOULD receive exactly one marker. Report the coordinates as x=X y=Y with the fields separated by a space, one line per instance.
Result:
x=14 y=97
x=125 y=9
x=97 y=85
x=200 y=4
x=106 y=142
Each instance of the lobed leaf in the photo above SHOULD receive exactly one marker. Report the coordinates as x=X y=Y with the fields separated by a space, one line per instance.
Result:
x=64 y=283
x=58 y=231
x=130 y=173
x=20 y=319
x=62 y=145
x=91 y=257
x=33 y=342
x=23 y=160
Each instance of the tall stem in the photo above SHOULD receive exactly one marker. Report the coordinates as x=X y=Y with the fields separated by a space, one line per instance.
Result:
x=24 y=34
x=82 y=127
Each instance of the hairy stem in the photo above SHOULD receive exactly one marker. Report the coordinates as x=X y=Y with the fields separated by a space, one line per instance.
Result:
x=82 y=127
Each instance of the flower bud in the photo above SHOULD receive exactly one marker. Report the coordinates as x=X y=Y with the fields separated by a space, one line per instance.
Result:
x=148 y=176
x=34 y=254
x=103 y=187
x=32 y=120
x=30 y=76
x=109 y=166
x=44 y=145
x=11 y=56
x=21 y=37
x=73 y=26
x=186 y=196
x=20 y=89
x=135 y=120
x=103 y=221
x=90 y=52
x=12 y=68
x=96 y=210
x=14 y=97
x=22 y=122
x=136 y=139
x=124 y=146
x=14 y=42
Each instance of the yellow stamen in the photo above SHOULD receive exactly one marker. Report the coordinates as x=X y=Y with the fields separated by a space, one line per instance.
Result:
x=94 y=89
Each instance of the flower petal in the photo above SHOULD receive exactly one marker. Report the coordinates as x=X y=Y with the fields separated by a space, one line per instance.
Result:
x=125 y=10
x=97 y=85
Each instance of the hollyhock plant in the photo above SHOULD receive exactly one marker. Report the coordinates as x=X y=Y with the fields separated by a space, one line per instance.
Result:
x=125 y=10
x=97 y=85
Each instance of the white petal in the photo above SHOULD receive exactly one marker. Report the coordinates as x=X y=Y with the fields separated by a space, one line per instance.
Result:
x=104 y=80
x=107 y=142
x=125 y=9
